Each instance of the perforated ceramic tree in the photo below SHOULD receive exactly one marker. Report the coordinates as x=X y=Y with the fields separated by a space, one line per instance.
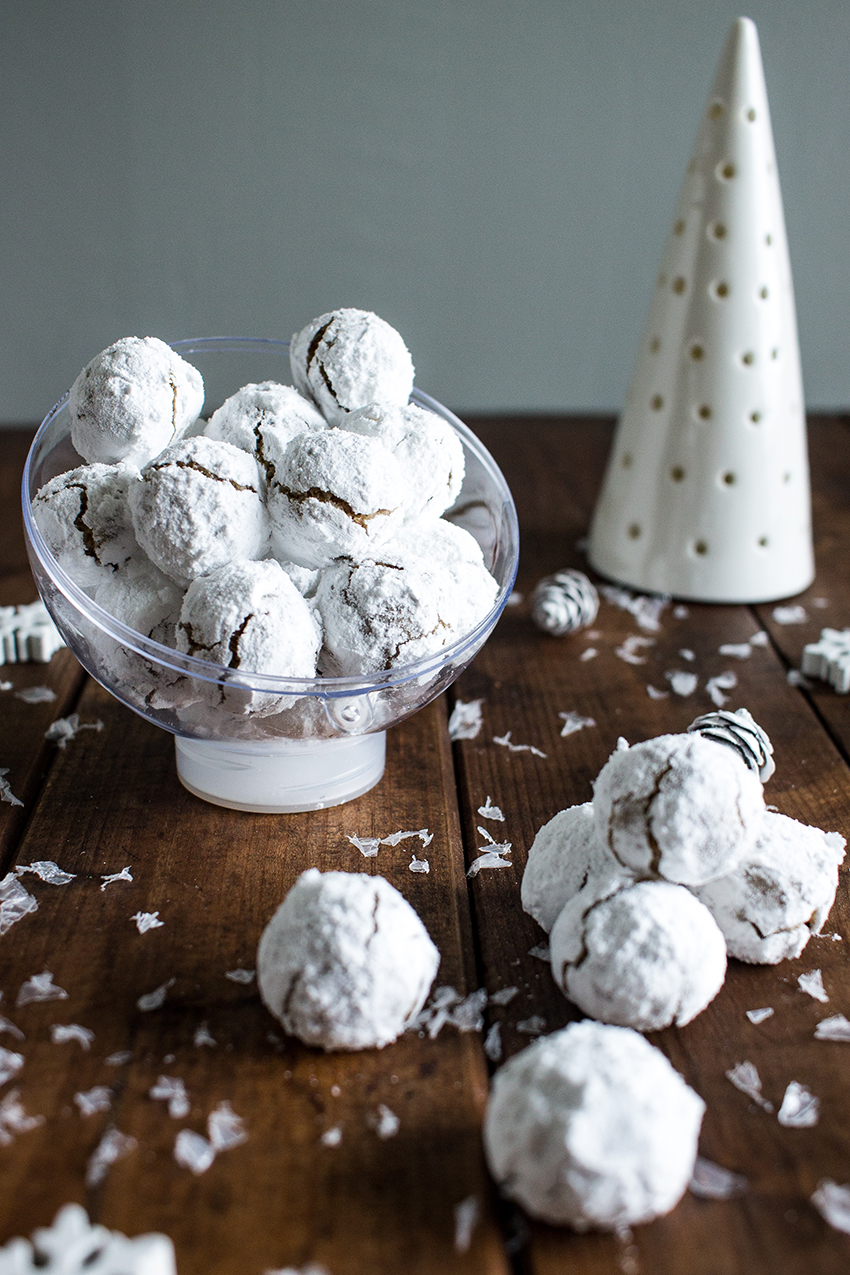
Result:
x=706 y=494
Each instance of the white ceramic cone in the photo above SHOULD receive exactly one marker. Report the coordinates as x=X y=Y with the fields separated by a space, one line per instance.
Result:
x=706 y=494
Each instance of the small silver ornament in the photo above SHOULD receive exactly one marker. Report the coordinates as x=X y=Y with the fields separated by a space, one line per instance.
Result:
x=564 y=602
x=738 y=730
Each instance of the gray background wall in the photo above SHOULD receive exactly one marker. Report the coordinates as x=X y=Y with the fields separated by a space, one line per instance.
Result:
x=494 y=177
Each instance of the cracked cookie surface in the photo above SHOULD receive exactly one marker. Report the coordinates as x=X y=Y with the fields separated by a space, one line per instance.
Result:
x=347 y=358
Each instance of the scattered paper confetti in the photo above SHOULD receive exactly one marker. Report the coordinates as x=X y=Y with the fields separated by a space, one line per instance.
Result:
x=812 y=984
x=193 y=1151
x=800 y=1108
x=47 y=871
x=466 y=720
x=225 y=1129
x=589 y=653
x=241 y=976
x=467 y=1216
x=504 y=996
x=489 y=811
x=109 y=877
x=40 y=988
x=394 y=838
x=717 y=685
x=687 y=654
x=505 y=741
x=60 y=1033
x=385 y=1122
x=91 y=1101
x=790 y=615
x=835 y=1028
x=331 y=1137
x=630 y=649
x=156 y=998
x=171 y=1089
x=120 y=1058
x=419 y=865
x=147 y=921
x=10 y=1064
x=682 y=683
x=759 y=1015
x=489 y=859
x=493 y=1043
x=6 y=793
x=745 y=1077
x=833 y=1203
x=533 y=1026
x=113 y=1146
x=14 y=1120
x=447 y=1006
x=541 y=952
x=574 y=722
x=646 y=608
x=712 y=1182
x=202 y=1037
x=15 y=902
x=737 y=650
x=654 y=693
x=36 y=695
x=65 y=729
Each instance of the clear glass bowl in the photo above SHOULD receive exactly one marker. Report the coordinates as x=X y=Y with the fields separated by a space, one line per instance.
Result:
x=324 y=741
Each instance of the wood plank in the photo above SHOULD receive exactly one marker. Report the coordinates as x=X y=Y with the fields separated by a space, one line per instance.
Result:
x=525 y=679
x=215 y=876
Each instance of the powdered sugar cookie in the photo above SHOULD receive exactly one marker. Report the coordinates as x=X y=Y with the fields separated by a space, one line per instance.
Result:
x=84 y=516
x=427 y=448
x=564 y=855
x=348 y=358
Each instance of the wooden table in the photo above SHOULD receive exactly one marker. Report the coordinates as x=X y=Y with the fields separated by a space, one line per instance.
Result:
x=368 y=1204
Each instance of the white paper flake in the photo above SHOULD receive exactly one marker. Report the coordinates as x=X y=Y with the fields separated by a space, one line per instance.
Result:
x=682 y=682
x=193 y=1151
x=171 y=1089
x=15 y=902
x=466 y=719
x=760 y=638
x=147 y=921
x=505 y=742
x=225 y=1129
x=241 y=976
x=489 y=859
x=202 y=1037
x=91 y=1101
x=654 y=693
x=794 y=677
x=7 y=1026
x=47 y=870
x=467 y=1216
x=589 y=653
x=680 y=612
x=385 y=1122
x=745 y=1077
x=533 y=1026
x=833 y=1203
x=6 y=793
x=737 y=650
x=447 y=1006
x=493 y=1042
x=14 y=1120
x=630 y=649
x=40 y=988
x=109 y=877
x=113 y=1146
x=790 y=615
x=64 y=729
x=712 y=1182
x=759 y=1015
x=120 y=1058
x=156 y=998
x=574 y=722
x=395 y=838
x=646 y=608
x=812 y=984
x=489 y=811
x=60 y=1033
x=419 y=865
x=717 y=685
x=331 y=1137
x=368 y=846
x=540 y=952
x=835 y=1028
x=800 y=1108
x=504 y=996
x=36 y=695
x=687 y=654
x=10 y=1064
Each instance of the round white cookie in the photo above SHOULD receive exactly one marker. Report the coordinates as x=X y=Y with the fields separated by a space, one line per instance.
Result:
x=345 y=962
x=771 y=904
x=466 y=591
x=678 y=806
x=132 y=400
x=348 y=358
x=564 y=856
x=249 y=618
x=591 y=1127
x=84 y=517
x=197 y=506
x=644 y=956
x=333 y=494
x=427 y=448
x=248 y=416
